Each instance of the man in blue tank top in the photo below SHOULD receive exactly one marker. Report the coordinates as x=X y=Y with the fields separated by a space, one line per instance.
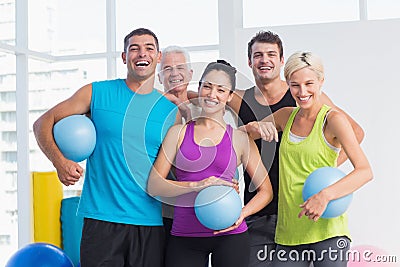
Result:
x=265 y=58
x=122 y=223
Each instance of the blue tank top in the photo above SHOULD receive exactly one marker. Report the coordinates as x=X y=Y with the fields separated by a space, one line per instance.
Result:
x=195 y=163
x=129 y=130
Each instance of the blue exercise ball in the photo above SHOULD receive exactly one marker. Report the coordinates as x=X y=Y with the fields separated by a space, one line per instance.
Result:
x=320 y=179
x=75 y=136
x=218 y=207
x=39 y=255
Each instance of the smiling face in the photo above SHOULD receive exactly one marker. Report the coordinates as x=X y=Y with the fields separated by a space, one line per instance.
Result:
x=265 y=61
x=141 y=57
x=215 y=91
x=305 y=87
x=175 y=74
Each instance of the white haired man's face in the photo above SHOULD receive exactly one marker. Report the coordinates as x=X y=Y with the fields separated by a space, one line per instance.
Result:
x=175 y=74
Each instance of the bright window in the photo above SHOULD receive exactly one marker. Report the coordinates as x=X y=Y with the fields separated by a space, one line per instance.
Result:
x=265 y=13
x=67 y=27
x=7 y=22
x=8 y=149
x=175 y=22
x=383 y=9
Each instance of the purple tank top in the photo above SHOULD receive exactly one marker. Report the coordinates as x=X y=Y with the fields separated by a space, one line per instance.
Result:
x=195 y=163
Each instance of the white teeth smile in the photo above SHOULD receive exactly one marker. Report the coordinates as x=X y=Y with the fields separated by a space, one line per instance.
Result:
x=265 y=68
x=142 y=63
x=210 y=102
x=175 y=81
x=304 y=98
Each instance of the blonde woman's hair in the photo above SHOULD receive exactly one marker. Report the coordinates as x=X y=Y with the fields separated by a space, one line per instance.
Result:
x=301 y=60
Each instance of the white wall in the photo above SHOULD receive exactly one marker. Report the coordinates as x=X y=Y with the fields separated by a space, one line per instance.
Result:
x=362 y=77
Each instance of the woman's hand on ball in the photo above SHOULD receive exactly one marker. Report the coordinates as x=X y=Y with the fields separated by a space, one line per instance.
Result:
x=233 y=227
x=315 y=206
x=236 y=185
x=212 y=180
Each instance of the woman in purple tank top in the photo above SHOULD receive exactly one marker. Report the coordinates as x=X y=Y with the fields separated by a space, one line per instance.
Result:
x=207 y=152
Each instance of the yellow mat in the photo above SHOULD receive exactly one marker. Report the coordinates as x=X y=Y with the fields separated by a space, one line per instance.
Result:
x=47 y=197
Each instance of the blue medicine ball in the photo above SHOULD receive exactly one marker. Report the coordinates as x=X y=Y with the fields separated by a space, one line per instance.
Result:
x=320 y=179
x=39 y=255
x=218 y=207
x=75 y=136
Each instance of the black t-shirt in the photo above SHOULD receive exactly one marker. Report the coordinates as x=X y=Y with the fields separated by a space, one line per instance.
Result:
x=251 y=110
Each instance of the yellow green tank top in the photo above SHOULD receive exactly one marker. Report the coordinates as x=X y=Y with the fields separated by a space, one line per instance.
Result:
x=296 y=162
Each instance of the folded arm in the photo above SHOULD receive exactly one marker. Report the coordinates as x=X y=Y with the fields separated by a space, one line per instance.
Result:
x=68 y=171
